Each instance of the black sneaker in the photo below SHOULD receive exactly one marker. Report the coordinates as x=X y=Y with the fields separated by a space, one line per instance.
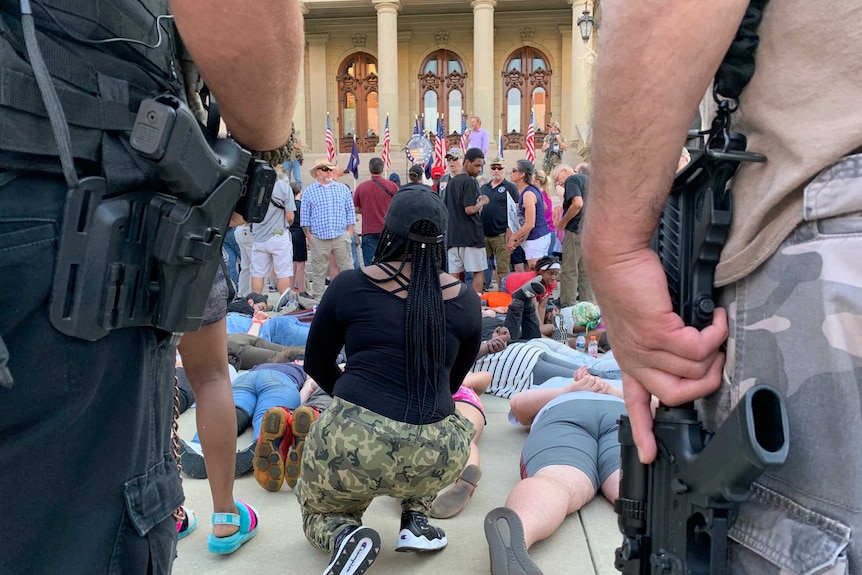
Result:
x=244 y=460
x=192 y=460
x=417 y=535
x=354 y=551
x=532 y=289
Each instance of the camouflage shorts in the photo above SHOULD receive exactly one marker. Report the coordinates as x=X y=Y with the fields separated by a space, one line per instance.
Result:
x=353 y=455
x=796 y=324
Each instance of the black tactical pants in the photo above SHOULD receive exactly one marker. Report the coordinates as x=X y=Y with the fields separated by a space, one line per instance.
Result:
x=86 y=471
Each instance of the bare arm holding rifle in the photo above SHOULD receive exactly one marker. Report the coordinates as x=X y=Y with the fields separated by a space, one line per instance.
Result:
x=647 y=92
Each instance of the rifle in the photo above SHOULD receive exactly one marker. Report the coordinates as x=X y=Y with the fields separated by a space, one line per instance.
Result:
x=675 y=513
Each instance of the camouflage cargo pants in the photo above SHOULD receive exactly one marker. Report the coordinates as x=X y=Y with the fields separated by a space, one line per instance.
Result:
x=353 y=455
x=796 y=324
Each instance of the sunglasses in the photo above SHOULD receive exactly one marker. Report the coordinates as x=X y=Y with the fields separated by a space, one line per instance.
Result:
x=497 y=168
x=324 y=169
x=514 y=170
x=451 y=159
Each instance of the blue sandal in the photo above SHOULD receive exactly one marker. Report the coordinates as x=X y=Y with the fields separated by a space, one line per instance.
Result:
x=247 y=522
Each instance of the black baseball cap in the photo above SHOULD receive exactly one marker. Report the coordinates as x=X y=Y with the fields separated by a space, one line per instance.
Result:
x=411 y=206
x=416 y=170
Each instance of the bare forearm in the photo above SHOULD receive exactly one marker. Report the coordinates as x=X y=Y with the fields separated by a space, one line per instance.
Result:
x=574 y=210
x=521 y=235
x=612 y=390
x=662 y=57
x=249 y=55
x=526 y=404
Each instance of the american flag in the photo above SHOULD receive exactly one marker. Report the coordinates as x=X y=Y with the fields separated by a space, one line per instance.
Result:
x=531 y=140
x=330 y=143
x=440 y=145
x=464 y=133
x=387 y=156
x=432 y=159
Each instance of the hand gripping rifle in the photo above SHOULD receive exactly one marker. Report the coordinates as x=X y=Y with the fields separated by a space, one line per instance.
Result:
x=675 y=513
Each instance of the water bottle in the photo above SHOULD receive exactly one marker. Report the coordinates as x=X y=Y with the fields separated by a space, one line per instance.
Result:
x=581 y=343
x=593 y=348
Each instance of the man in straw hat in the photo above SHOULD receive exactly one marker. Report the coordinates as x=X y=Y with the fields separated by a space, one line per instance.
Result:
x=328 y=220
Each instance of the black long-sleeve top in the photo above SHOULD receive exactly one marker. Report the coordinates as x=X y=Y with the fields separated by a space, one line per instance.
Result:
x=369 y=322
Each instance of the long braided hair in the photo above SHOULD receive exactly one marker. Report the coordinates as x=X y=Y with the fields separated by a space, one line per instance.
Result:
x=424 y=312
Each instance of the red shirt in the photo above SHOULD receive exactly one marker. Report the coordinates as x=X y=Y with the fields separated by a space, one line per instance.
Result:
x=372 y=202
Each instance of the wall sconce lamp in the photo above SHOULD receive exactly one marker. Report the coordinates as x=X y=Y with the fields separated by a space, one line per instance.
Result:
x=586 y=23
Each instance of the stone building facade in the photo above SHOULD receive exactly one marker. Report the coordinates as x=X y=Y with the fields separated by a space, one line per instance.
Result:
x=415 y=60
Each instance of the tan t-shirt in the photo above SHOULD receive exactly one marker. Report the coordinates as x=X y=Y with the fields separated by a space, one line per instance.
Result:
x=803 y=109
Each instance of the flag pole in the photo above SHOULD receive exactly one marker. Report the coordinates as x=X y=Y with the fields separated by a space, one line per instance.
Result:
x=385 y=167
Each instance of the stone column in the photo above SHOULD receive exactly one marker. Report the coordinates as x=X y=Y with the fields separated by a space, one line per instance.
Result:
x=387 y=68
x=317 y=81
x=567 y=124
x=484 y=68
x=299 y=118
x=406 y=94
x=582 y=74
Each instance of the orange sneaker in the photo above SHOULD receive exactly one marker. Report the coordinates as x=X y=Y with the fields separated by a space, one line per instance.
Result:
x=303 y=417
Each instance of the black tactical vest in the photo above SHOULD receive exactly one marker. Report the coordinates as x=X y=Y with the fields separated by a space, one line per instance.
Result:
x=100 y=84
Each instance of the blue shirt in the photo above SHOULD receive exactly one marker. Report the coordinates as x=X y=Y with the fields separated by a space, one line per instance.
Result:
x=540 y=228
x=327 y=210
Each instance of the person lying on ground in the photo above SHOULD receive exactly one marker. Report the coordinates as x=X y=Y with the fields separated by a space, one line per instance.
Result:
x=517 y=366
x=278 y=383
x=571 y=454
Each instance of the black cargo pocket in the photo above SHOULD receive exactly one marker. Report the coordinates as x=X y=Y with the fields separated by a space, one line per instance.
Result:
x=152 y=497
x=777 y=534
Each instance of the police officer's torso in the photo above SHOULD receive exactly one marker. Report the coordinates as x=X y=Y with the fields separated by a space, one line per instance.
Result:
x=100 y=84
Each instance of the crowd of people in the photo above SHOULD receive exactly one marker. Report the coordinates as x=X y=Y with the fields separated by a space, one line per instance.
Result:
x=367 y=353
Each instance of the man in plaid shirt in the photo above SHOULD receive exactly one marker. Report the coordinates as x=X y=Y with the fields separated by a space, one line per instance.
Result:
x=328 y=220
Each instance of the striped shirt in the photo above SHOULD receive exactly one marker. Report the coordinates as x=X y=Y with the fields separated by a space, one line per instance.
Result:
x=511 y=369
x=327 y=210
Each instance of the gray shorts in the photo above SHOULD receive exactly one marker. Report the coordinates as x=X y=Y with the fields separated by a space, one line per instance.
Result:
x=467 y=260
x=581 y=433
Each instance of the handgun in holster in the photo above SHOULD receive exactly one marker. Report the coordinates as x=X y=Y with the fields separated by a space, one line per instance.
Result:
x=149 y=257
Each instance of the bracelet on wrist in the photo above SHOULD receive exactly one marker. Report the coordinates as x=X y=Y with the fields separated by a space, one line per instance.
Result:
x=257 y=321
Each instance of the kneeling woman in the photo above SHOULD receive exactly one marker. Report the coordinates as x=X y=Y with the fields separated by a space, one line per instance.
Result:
x=410 y=334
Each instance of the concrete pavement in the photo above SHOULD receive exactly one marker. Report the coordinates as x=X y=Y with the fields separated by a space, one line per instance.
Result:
x=584 y=544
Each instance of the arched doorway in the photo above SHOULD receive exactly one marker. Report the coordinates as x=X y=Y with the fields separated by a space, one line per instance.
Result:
x=359 y=110
x=526 y=85
x=443 y=90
